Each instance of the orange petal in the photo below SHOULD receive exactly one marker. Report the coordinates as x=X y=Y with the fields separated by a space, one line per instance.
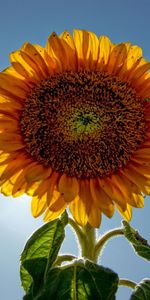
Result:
x=138 y=179
x=68 y=187
x=8 y=125
x=19 y=184
x=7 y=157
x=94 y=218
x=57 y=202
x=9 y=104
x=53 y=183
x=14 y=166
x=113 y=192
x=38 y=172
x=101 y=199
x=13 y=86
x=42 y=188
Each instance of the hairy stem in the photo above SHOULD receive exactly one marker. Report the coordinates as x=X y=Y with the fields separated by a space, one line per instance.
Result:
x=103 y=239
x=86 y=237
x=88 y=247
x=128 y=283
x=62 y=258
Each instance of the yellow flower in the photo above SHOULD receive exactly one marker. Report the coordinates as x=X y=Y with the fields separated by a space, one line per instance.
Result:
x=75 y=127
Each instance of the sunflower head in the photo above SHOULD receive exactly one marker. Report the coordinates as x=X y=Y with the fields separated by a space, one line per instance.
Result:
x=74 y=127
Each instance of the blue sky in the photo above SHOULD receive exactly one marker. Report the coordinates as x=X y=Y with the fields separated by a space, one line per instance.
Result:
x=33 y=21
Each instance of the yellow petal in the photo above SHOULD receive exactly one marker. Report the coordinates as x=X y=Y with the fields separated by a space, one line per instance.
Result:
x=55 y=49
x=127 y=214
x=50 y=64
x=68 y=187
x=137 y=74
x=11 y=71
x=104 y=52
x=66 y=36
x=51 y=215
x=79 y=211
x=117 y=57
x=70 y=51
x=37 y=58
x=32 y=187
x=134 y=55
x=38 y=205
x=87 y=46
x=24 y=65
x=6 y=188
x=136 y=200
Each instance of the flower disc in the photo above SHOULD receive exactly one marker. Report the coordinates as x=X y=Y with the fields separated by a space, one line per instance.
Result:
x=84 y=124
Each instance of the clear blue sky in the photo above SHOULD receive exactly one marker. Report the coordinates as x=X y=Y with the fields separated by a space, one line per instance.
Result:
x=33 y=21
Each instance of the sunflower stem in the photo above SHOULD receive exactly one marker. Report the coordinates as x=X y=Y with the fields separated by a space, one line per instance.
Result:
x=104 y=239
x=88 y=247
x=76 y=228
x=87 y=239
x=128 y=283
x=62 y=258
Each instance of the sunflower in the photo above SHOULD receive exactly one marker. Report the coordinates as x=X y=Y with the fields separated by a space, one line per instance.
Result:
x=74 y=127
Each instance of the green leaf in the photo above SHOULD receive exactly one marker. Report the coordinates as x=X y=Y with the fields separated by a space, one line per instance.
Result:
x=40 y=252
x=64 y=218
x=140 y=245
x=142 y=291
x=80 y=280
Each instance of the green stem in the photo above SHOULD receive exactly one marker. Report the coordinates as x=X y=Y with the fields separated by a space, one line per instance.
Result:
x=62 y=258
x=76 y=228
x=86 y=237
x=79 y=232
x=100 y=244
x=128 y=283
x=88 y=247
